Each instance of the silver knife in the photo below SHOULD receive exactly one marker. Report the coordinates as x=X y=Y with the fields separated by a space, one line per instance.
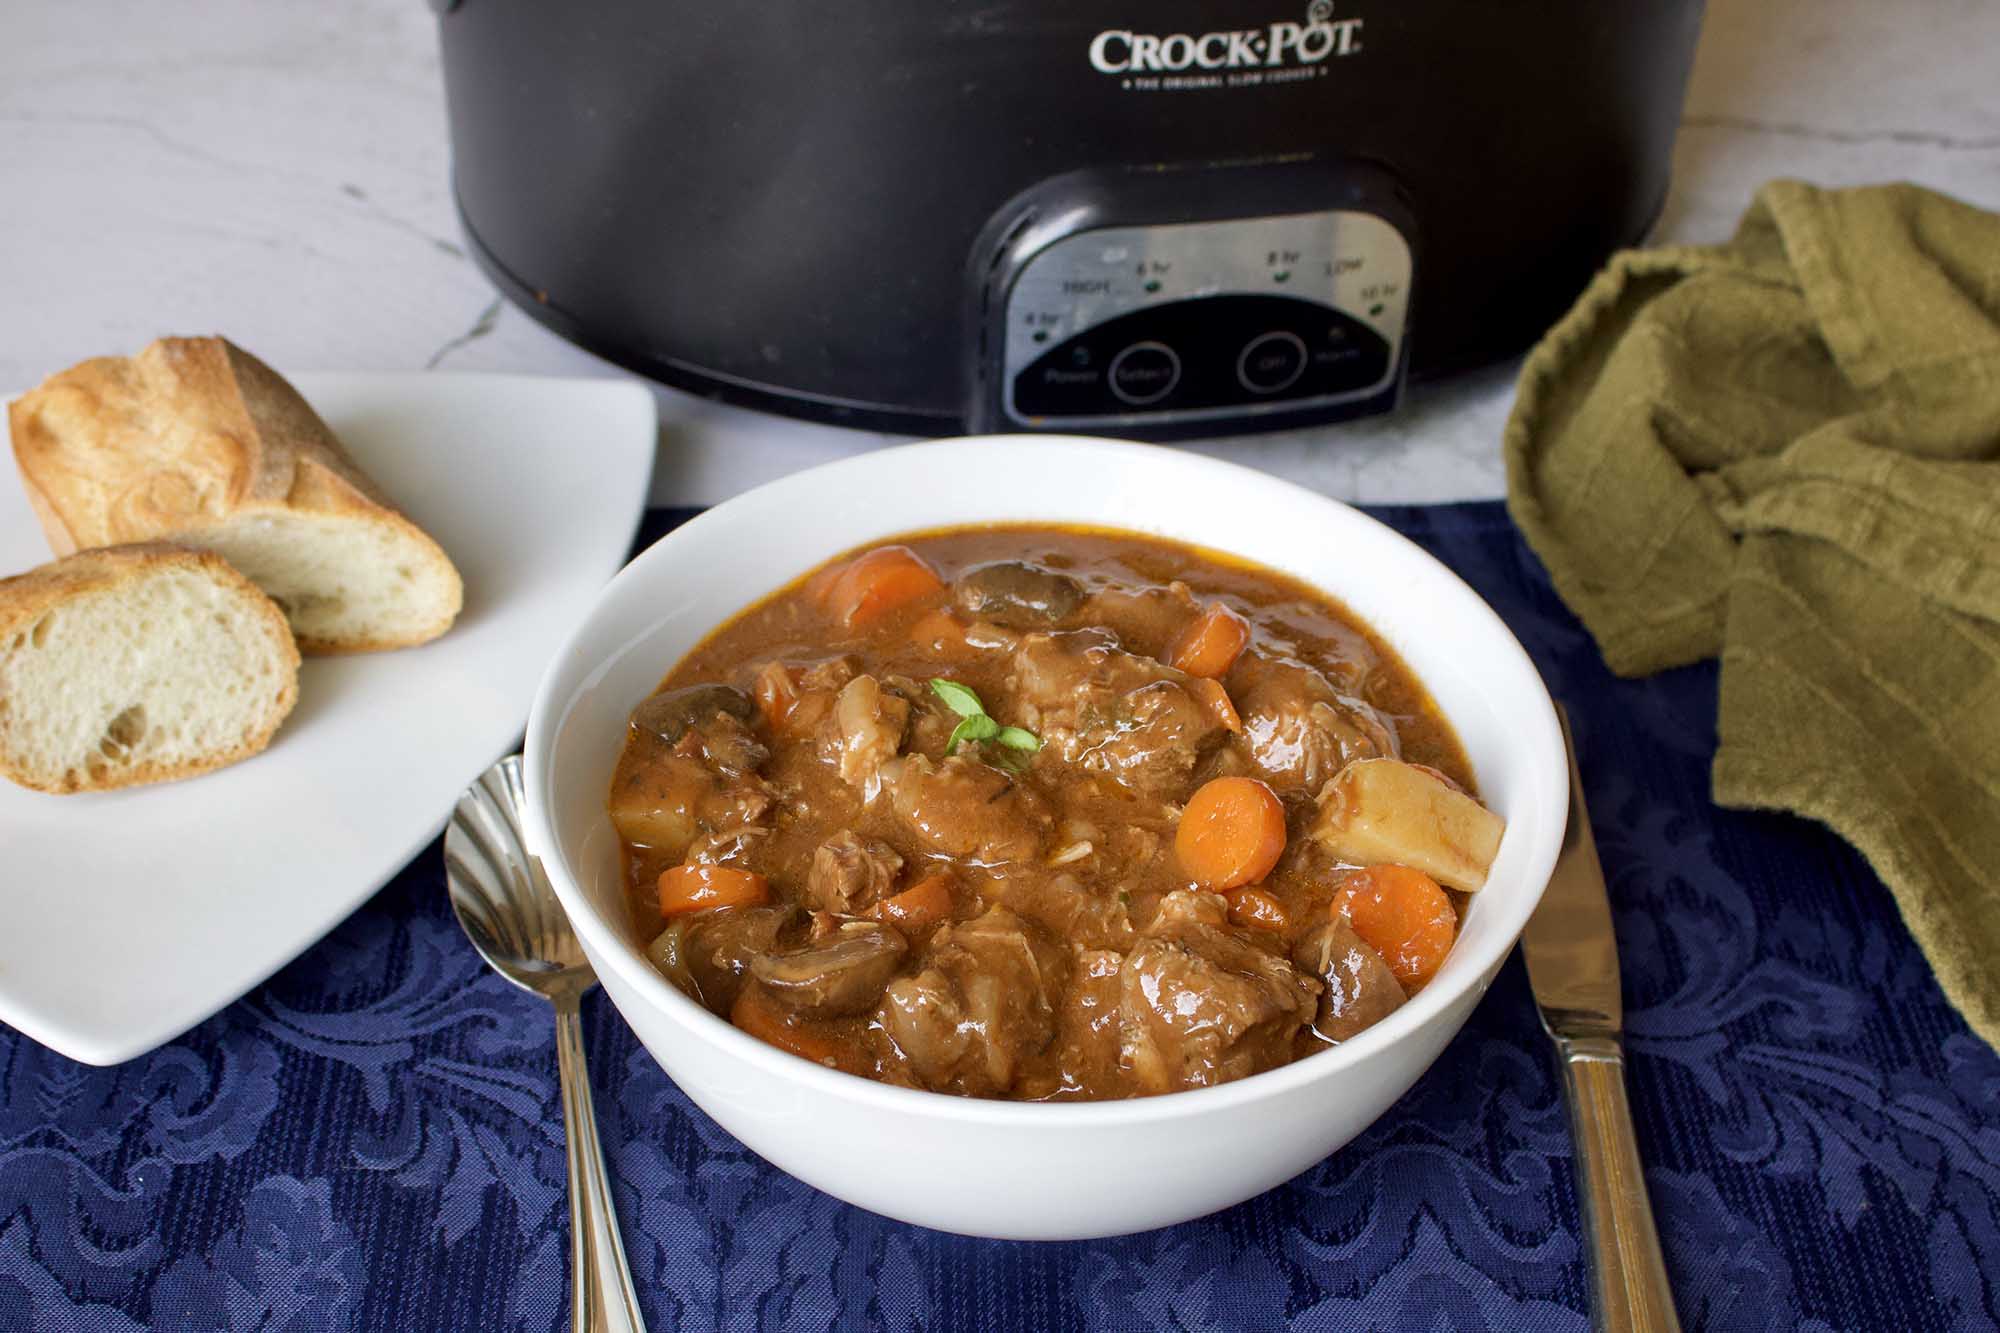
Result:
x=1573 y=968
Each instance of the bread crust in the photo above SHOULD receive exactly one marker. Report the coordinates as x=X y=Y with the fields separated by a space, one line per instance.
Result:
x=187 y=436
x=25 y=598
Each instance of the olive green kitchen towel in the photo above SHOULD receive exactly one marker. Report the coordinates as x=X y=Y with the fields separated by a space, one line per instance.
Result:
x=1785 y=451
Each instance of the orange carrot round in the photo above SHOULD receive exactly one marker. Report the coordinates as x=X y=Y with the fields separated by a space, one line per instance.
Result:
x=770 y=1022
x=696 y=888
x=1258 y=910
x=877 y=582
x=918 y=907
x=1210 y=644
x=1403 y=915
x=1231 y=833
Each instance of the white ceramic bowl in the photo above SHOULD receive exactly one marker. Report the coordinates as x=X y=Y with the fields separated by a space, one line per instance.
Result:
x=1004 y=1169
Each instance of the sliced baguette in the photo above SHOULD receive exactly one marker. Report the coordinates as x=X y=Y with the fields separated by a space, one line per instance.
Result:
x=136 y=664
x=197 y=442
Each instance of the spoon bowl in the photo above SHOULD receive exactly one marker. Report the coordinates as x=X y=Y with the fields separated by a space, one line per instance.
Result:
x=501 y=896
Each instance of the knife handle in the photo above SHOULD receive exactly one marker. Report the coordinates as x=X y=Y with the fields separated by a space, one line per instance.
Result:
x=1629 y=1277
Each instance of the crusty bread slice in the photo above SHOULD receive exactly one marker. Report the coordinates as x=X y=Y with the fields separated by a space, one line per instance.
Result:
x=134 y=664
x=197 y=442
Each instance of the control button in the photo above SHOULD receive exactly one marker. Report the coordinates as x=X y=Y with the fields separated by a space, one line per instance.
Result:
x=1145 y=373
x=1271 y=362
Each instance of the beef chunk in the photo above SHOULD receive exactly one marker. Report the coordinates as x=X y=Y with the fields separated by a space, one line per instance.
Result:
x=983 y=1003
x=1189 y=906
x=1103 y=710
x=1086 y=1053
x=967 y=810
x=1199 y=1005
x=849 y=872
x=1146 y=618
x=864 y=732
x=831 y=674
x=1298 y=729
x=1360 y=988
x=741 y=847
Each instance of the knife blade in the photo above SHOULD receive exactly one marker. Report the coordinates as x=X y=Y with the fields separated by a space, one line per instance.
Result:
x=1572 y=958
x=1571 y=952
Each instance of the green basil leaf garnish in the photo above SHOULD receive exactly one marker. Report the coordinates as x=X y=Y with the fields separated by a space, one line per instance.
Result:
x=958 y=698
x=978 y=727
x=973 y=722
x=1008 y=761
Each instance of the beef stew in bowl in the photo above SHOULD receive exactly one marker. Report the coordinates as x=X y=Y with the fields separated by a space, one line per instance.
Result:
x=1047 y=814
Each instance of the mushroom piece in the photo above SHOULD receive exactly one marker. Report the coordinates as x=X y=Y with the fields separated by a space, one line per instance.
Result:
x=1360 y=988
x=669 y=714
x=718 y=947
x=1017 y=594
x=668 y=953
x=843 y=975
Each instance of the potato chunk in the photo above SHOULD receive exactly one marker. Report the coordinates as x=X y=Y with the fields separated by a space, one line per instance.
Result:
x=654 y=806
x=1384 y=810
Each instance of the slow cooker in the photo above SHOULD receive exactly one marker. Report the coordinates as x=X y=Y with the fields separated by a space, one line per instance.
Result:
x=1162 y=219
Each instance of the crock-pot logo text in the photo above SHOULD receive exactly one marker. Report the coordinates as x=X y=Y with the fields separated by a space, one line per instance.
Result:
x=1297 y=48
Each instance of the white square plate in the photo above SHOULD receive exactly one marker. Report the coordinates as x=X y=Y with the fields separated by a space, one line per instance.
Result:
x=127 y=917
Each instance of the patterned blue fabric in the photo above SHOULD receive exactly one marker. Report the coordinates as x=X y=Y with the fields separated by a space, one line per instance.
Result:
x=372 y=1139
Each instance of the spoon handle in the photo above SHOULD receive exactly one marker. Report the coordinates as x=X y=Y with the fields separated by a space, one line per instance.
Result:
x=601 y=1295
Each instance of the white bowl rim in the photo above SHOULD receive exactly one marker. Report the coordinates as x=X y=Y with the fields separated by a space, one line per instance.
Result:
x=1540 y=731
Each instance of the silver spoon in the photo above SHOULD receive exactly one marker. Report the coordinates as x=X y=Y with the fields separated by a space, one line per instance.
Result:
x=504 y=901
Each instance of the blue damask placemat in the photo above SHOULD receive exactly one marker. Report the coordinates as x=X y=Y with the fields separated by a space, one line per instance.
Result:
x=372 y=1139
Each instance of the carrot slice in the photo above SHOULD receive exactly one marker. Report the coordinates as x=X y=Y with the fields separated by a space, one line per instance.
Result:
x=1258 y=910
x=1210 y=695
x=770 y=1022
x=1403 y=915
x=777 y=694
x=1231 y=833
x=923 y=904
x=1210 y=644
x=696 y=888
x=877 y=582
x=818 y=586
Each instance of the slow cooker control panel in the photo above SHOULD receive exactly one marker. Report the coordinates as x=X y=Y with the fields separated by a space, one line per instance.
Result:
x=1208 y=320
